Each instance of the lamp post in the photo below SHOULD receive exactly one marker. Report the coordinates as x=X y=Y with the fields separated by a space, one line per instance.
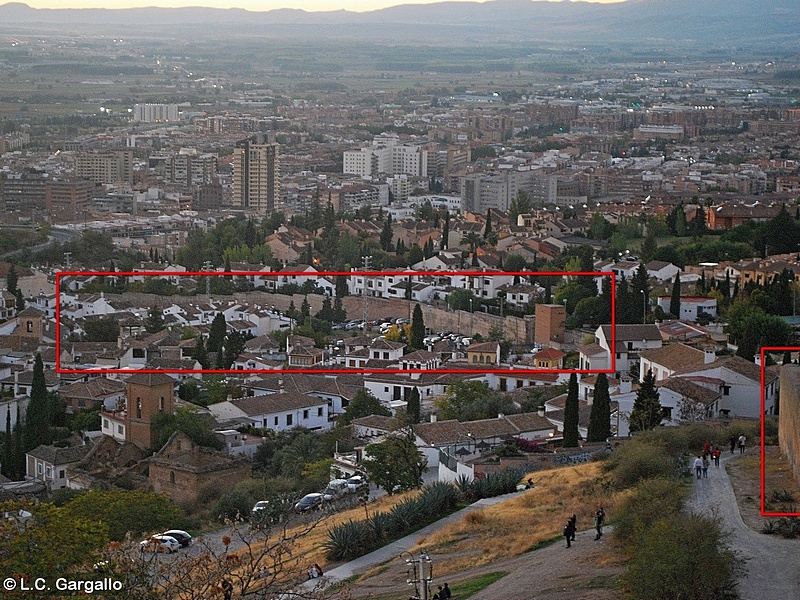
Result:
x=421 y=572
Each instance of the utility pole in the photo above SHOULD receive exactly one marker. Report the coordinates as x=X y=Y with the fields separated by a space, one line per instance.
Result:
x=421 y=572
x=67 y=260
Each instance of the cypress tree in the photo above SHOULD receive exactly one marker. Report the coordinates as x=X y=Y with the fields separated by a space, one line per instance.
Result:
x=417 y=329
x=199 y=353
x=571 y=414
x=413 y=406
x=488 y=229
x=18 y=460
x=8 y=445
x=217 y=334
x=445 y=230
x=675 y=299
x=646 y=413
x=600 y=417
x=37 y=425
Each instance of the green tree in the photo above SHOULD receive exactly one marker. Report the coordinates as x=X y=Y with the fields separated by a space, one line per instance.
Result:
x=102 y=329
x=520 y=205
x=462 y=299
x=600 y=416
x=12 y=280
x=199 y=427
x=396 y=465
x=154 y=321
x=216 y=336
x=417 y=329
x=675 y=298
x=647 y=412
x=37 y=421
x=189 y=391
x=488 y=227
x=571 y=406
x=199 y=353
x=473 y=400
x=445 y=230
x=386 y=234
x=413 y=406
x=126 y=511
x=363 y=404
x=52 y=541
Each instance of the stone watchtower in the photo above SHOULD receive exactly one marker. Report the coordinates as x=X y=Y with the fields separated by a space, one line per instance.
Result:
x=147 y=395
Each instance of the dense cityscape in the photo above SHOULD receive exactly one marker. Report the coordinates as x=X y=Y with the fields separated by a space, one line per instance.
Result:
x=258 y=293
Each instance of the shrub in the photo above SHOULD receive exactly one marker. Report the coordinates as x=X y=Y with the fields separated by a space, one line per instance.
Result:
x=640 y=459
x=348 y=540
x=788 y=527
x=234 y=505
x=652 y=500
x=495 y=484
x=683 y=558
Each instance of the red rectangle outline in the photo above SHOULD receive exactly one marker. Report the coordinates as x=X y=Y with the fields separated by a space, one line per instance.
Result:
x=762 y=504
x=60 y=274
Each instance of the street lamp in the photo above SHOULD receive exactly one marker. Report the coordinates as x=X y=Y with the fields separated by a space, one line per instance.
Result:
x=421 y=571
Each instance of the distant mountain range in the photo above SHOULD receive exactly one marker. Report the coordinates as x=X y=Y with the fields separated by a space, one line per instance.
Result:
x=710 y=23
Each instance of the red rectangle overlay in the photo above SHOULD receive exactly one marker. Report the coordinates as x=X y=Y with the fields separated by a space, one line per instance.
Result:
x=329 y=369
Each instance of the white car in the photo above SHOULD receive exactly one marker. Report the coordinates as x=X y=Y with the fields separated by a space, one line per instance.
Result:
x=335 y=490
x=356 y=483
x=160 y=543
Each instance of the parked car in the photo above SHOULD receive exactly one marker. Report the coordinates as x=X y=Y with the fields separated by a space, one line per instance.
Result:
x=160 y=543
x=184 y=539
x=356 y=483
x=337 y=488
x=309 y=502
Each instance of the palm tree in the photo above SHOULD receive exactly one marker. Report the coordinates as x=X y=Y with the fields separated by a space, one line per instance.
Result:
x=473 y=239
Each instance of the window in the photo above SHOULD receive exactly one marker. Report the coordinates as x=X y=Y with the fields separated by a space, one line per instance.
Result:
x=49 y=472
x=39 y=468
x=385 y=356
x=62 y=473
x=319 y=411
x=474 y=358
x=305 y=414
x=385 y=388
x=120 y=430
x=726 y=390
x=29 y=326
x=105 y=423
x=276 y=421
x=288 y=420
x=503 y=384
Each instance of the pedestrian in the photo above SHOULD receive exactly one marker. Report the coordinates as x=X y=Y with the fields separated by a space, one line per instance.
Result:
x=574 y=520
x=706 y=464
x=716 y=454
x=698 y=466
x=742 y=442
x=706 y=449
x=227 y=589
x=319 y=570
x=568 y=532
x=446 y=593
x=599 y=519
x=732 y=440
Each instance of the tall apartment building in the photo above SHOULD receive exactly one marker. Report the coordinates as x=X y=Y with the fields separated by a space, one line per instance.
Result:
x=113 y=166
x=387 y=155
x=155 y=113
x=256 y=179
x=188 y=168
x=68 y=200
x=482 y=191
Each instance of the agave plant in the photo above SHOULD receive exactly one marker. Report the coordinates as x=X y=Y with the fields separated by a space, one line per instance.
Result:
x=347 y=541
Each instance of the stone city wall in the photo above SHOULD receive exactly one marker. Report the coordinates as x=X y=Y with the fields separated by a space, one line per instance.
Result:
x=789 y=417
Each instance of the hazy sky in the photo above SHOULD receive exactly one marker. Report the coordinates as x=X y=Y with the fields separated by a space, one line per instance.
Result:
x=310 y=5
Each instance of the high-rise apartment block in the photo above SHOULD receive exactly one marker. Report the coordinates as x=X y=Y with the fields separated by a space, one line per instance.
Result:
x=155 y=113
x=388 y=156
x=113 y=166
x=256 y=179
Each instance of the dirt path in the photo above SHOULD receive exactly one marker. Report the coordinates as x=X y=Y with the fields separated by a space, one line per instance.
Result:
x=773 y=563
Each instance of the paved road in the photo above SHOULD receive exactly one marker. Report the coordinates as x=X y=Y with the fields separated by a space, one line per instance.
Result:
x=773 y=563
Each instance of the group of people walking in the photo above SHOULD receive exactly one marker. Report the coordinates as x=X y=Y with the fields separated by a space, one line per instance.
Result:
x=703 y=460
x=571 y=527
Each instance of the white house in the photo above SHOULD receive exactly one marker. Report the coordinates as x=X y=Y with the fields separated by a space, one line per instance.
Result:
x=692 y=307
x=280 y=412
x=661 y=270
x=630 y=341
x=49 y=463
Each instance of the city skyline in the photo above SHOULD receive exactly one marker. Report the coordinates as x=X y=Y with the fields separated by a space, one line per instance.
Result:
x=260 y=5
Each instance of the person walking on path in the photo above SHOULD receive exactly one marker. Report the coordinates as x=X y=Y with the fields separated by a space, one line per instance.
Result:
x=742 y=442
x=732 y=440
x=715 y=455
x=706 y=464
x=698 y=466
x=599 y=519
x=574 y=520
x=569 y=532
